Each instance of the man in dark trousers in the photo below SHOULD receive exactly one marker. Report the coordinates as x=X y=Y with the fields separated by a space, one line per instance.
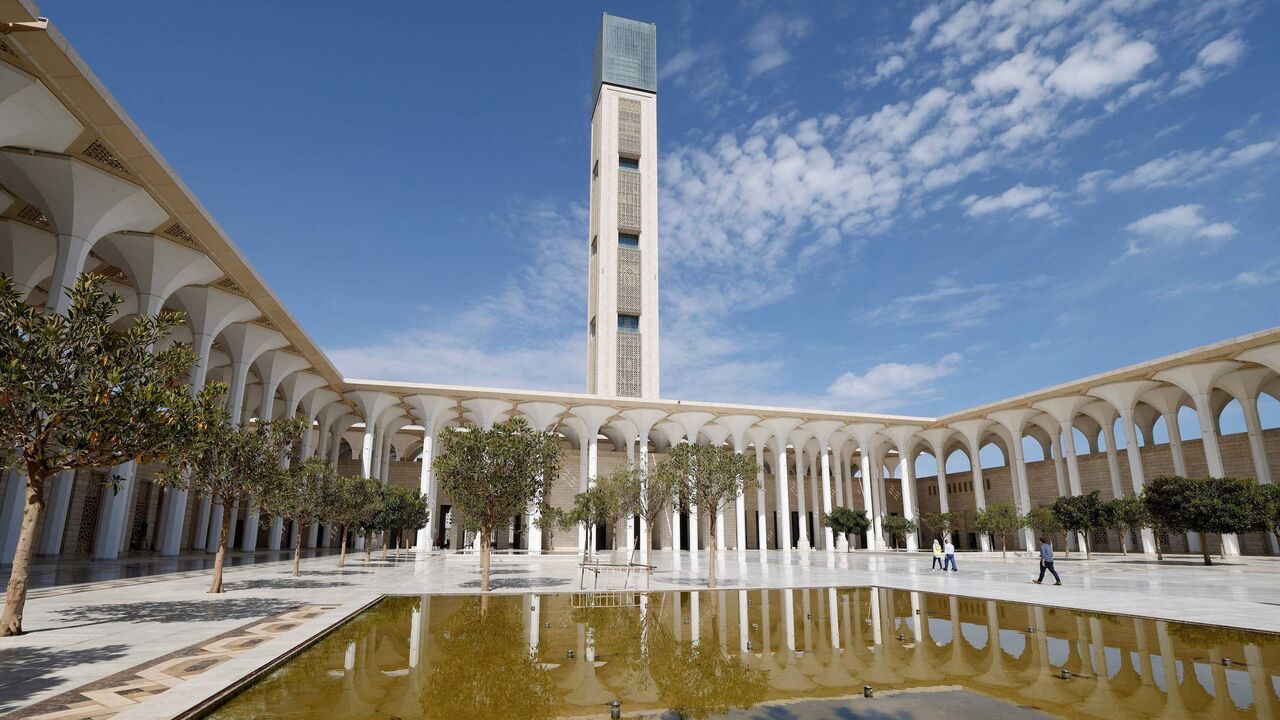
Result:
x=1046 y=563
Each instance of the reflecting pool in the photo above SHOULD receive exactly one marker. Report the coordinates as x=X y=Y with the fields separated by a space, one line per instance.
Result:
x=791 y=653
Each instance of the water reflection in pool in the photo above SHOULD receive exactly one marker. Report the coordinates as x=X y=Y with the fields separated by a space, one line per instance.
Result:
x=711 y=653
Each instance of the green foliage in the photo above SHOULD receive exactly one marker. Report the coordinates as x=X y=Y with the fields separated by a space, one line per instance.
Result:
x=494 y=475
x=847 y=521
x=895 y=525
x=351 y=500
x=999 y=519
x=1082 y=514
x=699 y=680
x=75 y=392
x=596 y=506
x=302 y=493
x=940 y=523
x=1205 y=506
x=550 y=518
x=709 y=477
x=1128 y=514
x=416 y=511
x=1043 y=521
x=1269 y=507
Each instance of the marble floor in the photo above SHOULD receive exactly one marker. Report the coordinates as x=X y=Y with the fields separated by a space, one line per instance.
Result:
x=81 y=634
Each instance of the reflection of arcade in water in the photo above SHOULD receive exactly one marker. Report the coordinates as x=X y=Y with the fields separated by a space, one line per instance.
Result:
x=705 y=653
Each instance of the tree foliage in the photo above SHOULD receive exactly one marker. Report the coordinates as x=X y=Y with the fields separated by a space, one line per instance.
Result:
x=1127 y=514
x=849 y=522
x=231 y=463
x=550 y=519
x=709 y=477
x=895 y=525
x=591 y=508
x=942 y=523
x=1081 y=514
x=350 y=500
x=1219 y=506
x=999 y=519
x=493 y=475
x=75 y=392
x=300 y=497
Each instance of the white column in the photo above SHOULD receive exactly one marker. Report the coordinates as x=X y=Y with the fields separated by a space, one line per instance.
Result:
x=827 y=536
x=114 y=517
x=426 y=486
x=57 y=503
x=15 y=491
x=909 y=496
x=646 y=538
x=1136 y=472
x=802 y=542
x=784 y=496
x=762 y=526
x=875 y=535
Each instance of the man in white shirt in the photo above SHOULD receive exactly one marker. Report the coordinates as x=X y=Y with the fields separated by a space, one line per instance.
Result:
x=950 y=551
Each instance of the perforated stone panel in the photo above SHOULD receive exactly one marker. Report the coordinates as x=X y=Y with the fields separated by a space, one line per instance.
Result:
x=629 y=296
x=33 y=215
x=629 y=126
x=629 y=200
x=177 y=232
x=629 y=364
x=230 y=286
x=98 y=152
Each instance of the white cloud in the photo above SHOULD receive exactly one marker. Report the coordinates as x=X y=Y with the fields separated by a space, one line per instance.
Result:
x=1213 y=59
x=1018 y=196
x=1107 y=59
x=953 y=305
x=893 y=384
x=887 y=68
x=1188 y=167
x=768 y=42
x=1174 y=227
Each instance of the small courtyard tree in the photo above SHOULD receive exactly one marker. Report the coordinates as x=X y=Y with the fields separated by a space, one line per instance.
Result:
x=713 y=477
x=942 y=523
x=349 y=500
x=231 y=463
x=625 y=487
x=1044 y=522
x=895 y=525
x=1081 y=514
x=416 y=511
x=301 y=498
x=999 y=519
x=550 y=519
x=848 y=522
x=591 y=508
x=75 y=392
x=493 y=475
x=660 y=488
x=1269 y=504
x=1219 y=506
x=1127 y=515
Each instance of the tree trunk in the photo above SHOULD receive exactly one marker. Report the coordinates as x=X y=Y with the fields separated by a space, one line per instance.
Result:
x=386 y=537
x=221 y=557
x=1222 y=548
x=1124 y=547
x=1004 y=547
x=1159 y=547
x=297 y=547
x=342 y=554
x=1204 y=548
x=1088 y=552
x=484 y=559
x=16 y=594
x=368 y=546
x=711 y=556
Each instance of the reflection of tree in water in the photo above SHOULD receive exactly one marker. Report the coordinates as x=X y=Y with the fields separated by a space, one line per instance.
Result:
x=1208 y=636
x=700 y=680
x=489 y=672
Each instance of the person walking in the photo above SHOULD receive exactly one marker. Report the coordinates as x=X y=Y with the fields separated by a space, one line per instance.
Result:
x=1046 y=563
x=949 y=550
x=937 y=556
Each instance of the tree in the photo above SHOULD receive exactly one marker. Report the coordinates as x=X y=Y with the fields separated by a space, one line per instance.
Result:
x=849 y=522
x=999 y=519
x=301 y=497
x=590 y=509
x=713 y=477
x=1081 y=514
x=1043 y=521
x=895 y=525
x=416 y=513
x=550 y=518
x=1212 y=505
x=940 y=523
x=660 y=488
x=625 y=488
x=493 y=475
x=1127 y=515
x=348 y=502
x=230 y=463
x=1269 y=505
x=77 y=393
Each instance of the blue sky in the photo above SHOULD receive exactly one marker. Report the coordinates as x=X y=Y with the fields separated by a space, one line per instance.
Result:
x=911 y=208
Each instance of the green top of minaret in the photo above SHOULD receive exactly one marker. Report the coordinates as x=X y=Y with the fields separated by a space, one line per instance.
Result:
x=626 y=54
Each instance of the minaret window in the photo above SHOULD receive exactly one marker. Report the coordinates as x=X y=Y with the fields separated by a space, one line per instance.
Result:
x=628 y=323
x=626 y=163
x=628 y=240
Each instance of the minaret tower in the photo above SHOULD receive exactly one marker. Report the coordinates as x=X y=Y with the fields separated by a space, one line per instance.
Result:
x=622 y=295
